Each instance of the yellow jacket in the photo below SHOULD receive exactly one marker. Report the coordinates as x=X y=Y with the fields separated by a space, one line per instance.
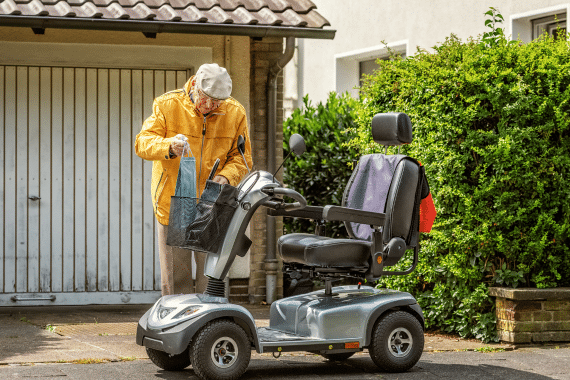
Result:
x=174 y=113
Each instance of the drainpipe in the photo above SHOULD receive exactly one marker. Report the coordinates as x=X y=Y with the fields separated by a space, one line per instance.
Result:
x=300 y=72
x=271 y=265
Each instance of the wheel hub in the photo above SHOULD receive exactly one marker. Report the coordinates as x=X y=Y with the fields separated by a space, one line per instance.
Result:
x=224 y=352
x=400 y=342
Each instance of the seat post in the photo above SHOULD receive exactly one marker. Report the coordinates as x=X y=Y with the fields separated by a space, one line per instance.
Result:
x=328 y=288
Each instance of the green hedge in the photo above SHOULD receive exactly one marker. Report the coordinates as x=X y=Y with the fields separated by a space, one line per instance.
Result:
x=491 y=125
x=322 y=172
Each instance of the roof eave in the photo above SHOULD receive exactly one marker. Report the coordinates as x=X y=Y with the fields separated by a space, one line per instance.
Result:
x=165 y=27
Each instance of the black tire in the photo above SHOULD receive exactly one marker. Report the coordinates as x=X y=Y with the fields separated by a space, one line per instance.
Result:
x=221 y=350
x=397 y=342
x=169 y=362
x=342 y=356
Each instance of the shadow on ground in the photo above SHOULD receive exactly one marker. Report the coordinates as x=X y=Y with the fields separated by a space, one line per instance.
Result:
x=362 y=367
x=20 y=339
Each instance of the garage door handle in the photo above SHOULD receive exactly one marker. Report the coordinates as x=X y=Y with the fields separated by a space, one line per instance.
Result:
x=34 y=198
x=24 y=298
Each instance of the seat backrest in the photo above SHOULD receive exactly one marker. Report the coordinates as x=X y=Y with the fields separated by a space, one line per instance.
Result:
x=387 y=183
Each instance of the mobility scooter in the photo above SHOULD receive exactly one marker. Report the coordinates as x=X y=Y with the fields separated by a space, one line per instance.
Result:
x=381 y=212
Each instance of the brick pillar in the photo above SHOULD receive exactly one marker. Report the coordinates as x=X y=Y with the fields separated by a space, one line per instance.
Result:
x=264 y=53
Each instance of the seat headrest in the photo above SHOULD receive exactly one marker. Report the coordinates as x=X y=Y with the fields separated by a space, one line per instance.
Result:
x=393 y=128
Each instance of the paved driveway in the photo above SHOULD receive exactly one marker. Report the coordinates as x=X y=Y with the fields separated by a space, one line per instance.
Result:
x=522 y=364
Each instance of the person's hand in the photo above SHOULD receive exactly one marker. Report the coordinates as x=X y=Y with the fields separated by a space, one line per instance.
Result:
x=177 y=146
x=221 y=180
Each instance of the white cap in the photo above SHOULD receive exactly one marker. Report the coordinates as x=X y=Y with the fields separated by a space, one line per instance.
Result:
x=214 y=81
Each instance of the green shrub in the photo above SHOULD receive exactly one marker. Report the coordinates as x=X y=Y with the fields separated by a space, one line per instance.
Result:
x=322 y=172
x=491 y=125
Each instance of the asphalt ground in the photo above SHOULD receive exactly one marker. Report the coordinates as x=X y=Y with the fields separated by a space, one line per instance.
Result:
x=99 y=343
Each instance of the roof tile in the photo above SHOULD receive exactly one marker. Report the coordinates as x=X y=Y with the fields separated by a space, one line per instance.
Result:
x=205 y=5
x=103 y=3
x=278 y=5
x=179 y=4
x=116 y=11
x=303 y=6
x=242 y=16
x=156 y=3
x=218 y=16
x=316 y=20
x=76 y=2
x=166 y=13
x=230 y=5
x=64 y=9
x=145 y=12
x=293 y=18
x=254 y=5
x=9 y=7
x=267 y=17
x=192 y=14
x=34 y=8
x=88 y=10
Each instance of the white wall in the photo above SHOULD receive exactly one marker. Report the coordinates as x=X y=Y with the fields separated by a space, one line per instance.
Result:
x=363 y=25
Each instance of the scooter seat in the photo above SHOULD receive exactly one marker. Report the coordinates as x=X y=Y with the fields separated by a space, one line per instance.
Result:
x=322 y=251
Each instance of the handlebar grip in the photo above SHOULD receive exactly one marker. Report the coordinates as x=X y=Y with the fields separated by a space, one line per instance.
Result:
x=301 y=201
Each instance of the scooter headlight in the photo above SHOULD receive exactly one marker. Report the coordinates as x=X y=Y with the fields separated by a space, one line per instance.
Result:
x=163 y=312
x=189 y=311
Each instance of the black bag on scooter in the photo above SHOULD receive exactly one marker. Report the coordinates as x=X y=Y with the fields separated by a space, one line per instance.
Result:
x=214 y=211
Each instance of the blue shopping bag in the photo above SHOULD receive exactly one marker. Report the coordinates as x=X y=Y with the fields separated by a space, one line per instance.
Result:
x=183 y=202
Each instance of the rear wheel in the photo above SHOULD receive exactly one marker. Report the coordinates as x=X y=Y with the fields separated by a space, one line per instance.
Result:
x=221 y=351
x=169 y=362
x=338 y=357
x=397 y=342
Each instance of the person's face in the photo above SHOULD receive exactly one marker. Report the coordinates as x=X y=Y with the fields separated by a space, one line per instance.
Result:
x=204 y=103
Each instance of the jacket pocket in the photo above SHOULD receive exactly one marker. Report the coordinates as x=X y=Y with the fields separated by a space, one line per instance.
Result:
x=157 y=193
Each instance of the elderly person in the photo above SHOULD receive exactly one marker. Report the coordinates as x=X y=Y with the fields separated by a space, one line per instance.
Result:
x=203 y=115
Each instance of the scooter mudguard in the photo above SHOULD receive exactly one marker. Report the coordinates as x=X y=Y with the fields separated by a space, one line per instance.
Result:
x=173 y=320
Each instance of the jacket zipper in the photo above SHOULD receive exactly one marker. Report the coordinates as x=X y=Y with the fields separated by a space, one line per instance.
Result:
x=201 y=152
x=156 y=190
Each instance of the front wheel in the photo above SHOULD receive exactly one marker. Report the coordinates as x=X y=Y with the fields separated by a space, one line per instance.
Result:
x=221 y=351
x=169 y=362
x=397 y=342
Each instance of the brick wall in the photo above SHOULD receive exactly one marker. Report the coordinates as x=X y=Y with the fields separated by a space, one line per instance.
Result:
x=264 y=53
x=532 y=315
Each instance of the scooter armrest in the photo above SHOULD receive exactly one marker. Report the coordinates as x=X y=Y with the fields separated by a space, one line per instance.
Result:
x=307 y=212
x=345 y=214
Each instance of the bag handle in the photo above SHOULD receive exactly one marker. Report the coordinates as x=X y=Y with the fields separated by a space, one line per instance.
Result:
x=189 y=150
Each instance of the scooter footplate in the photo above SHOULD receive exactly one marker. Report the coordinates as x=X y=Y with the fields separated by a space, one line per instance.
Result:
x=265 y=334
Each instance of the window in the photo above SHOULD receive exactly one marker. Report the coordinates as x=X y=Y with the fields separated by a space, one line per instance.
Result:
x=370 y=65
x=553 y=25
x=530 y=25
